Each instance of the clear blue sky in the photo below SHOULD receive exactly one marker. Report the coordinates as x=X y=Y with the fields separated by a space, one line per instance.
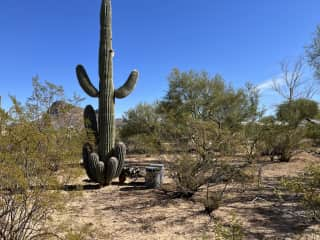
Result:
x=243 y=40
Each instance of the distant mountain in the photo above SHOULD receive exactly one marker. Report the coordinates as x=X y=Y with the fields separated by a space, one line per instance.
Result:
x=64 y=114
x=59 y=107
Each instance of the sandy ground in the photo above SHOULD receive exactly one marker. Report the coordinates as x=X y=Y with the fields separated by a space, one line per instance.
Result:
x=131 y=211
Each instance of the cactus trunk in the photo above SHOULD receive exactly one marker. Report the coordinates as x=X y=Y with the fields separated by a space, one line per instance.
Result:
x=108 y=162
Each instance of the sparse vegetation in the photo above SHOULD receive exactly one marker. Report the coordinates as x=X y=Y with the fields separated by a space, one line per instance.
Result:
x=230 y=171
x=208 y=154
x=234 y=231
x=141 y=129
x=307 y=186
x=32 y=149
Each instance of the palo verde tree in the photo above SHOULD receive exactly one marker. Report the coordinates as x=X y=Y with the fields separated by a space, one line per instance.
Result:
x=199 y=96
x=203 y=116
x=196 y=97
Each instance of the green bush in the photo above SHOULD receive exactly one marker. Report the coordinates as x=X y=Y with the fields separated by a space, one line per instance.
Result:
x=295 y=111
x=307 y=185
x=313 y=132
x=140 y=129
x=189 y=174
x=31 y=150
x=142 y=144
x=280 y=140
x=234 y=230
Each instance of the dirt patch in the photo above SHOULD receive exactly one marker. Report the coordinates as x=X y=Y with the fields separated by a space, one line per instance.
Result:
x=132 y=211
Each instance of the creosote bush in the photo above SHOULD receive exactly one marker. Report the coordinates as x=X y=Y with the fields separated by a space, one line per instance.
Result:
x=234 y=231
x=141 y=129
x=313 y=133
x=212 y=200
x=307 y=185
x=283 y=135
x=281 y=141
x=190 y=174
x=33 y=146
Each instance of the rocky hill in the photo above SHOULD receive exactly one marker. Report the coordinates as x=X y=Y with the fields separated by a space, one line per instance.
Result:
x=65 y=114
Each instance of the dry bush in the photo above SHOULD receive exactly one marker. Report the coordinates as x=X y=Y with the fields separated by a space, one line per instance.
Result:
x=86 y=231
x=281 y=141
x=307 y=185
x=142 y=144
x=212 y=200
x=31 y=150
x=250 y=140
x=189 y=174
x=206 y=164
x=234 y=231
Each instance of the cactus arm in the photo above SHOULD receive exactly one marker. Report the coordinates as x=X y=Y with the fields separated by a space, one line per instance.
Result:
x=97 y=167
x=98 y=171
x=90 y=123
x=129 y=85
x=120 y=154
x=85 y=82
x=111 y=169
x=93 y=166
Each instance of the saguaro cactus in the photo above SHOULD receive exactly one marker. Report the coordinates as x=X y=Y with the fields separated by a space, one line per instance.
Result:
x=103 y=160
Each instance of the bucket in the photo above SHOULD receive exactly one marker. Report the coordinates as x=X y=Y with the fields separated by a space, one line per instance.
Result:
x=154 y=175
x=161 y=167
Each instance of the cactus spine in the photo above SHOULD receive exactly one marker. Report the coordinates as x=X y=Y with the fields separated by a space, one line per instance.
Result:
x=106 y=162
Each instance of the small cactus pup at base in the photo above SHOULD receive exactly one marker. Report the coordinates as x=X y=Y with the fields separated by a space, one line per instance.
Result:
x=102 y=158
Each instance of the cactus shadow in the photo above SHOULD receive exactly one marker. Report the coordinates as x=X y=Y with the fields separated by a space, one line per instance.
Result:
x=134 y=186
x=91 y=185
x=80 y=187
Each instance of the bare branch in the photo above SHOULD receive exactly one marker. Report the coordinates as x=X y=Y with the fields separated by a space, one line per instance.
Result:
x=292 y=83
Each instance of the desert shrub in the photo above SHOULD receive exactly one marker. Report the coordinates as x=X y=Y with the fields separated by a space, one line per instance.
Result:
x=307 y=185
x=140 y=130
x=211 y=203
x=282 y=141
x=82 y=233
x=283 y=136
x=293 y=112
x=201 y=160
x=313 y=133
x=193 y=165
x=56 y=120
x=190 y=173
x=212 y=200
x=251 y=138
x=31 y=149
x=24 y=204
x=234 y=230
x=142 y=144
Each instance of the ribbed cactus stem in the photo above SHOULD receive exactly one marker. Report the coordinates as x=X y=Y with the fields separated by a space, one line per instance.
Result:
x=106 y=98
x=108 y=162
